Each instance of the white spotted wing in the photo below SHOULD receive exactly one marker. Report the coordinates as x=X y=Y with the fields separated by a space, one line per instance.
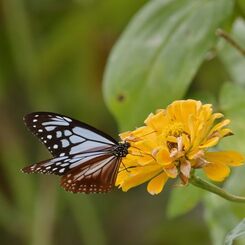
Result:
x=66 y=136
x=82 y=154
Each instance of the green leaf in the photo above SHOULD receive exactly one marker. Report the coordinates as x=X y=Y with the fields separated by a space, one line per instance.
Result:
x=238 y=231
x=232 y=104
x=234 y=61
x=219 y=217
x=157 y=56
x=182 y=200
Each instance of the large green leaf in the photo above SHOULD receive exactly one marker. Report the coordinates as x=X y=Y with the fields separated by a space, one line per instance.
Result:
x=159 y=53
x=182 y=200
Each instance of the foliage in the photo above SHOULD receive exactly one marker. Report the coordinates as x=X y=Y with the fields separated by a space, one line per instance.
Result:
x=161 y=50
x=53 y=55
x=170 y=51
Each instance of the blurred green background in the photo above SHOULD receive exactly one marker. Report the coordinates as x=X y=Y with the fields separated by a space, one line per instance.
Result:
x=53 y=55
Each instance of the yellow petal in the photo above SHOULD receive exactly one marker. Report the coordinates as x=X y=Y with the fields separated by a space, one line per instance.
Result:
x=121 y=176
x=163 y=157
x=129 y=161
x=231 y=158
x=143 y=132
x=225 y=132
x=171 y=171
x=216 y=171
x=210 y=143
x=219 y=126
x=136 y=134
x=139 y=176
x=156 y=185
x=145 y=160
x=186 y=142
x=146 y=146
x=157 y=121
x=182 y=109
x=193 y=153
x=217 y=115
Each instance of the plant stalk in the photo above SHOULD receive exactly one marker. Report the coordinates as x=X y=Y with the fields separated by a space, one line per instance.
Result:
x=198 y=182
x=230 y=40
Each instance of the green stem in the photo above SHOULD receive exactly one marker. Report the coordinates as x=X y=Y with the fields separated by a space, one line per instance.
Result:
x=230 y=40
x=198 y=182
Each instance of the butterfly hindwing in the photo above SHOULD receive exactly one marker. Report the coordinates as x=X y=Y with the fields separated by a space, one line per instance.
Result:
x=56 y=166
x=62 y=165
x=66 y=136
x=97 y=177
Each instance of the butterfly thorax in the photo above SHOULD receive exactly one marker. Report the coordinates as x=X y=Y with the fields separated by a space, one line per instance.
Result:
x=121 y=150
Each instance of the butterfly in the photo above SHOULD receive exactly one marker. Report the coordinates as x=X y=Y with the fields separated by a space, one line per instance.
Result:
x=87 y=159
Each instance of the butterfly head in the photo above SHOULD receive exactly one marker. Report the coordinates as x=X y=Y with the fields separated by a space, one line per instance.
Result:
x=122 y=149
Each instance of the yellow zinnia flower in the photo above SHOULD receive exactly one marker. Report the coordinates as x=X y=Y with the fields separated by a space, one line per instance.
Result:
x=172 y=143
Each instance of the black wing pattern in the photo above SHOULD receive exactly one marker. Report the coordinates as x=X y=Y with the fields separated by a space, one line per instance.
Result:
x=66 y=136
x=82 y=154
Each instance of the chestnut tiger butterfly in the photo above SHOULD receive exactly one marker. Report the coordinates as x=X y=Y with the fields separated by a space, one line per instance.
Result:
x=87 y=159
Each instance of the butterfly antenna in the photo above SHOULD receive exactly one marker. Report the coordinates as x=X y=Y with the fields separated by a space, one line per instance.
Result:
x=125 y=168
x=128 y=139
x=141 y=153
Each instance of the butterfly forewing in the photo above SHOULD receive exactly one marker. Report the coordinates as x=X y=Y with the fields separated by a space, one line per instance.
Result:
x=83 y=155
x=66 y=136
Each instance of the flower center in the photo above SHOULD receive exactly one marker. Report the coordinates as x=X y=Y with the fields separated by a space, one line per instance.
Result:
x=175 y=129
x=173 y=137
